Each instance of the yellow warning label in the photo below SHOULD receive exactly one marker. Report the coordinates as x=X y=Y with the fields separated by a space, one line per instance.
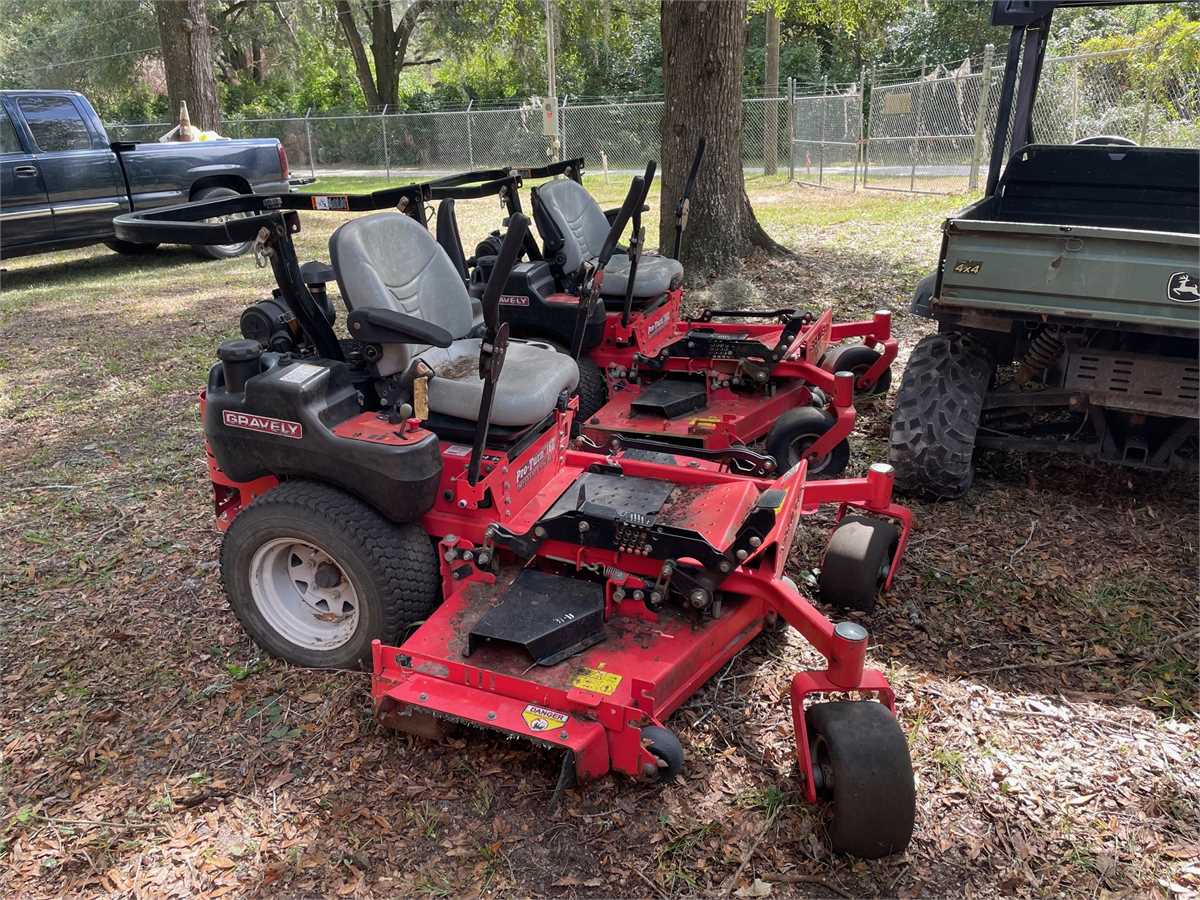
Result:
x=538 y=718
x=596 y=681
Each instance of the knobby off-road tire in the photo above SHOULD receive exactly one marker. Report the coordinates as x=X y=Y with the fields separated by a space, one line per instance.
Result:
x=937 y=415
x=391 y=571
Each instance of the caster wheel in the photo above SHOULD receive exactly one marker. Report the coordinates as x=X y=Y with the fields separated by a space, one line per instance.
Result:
x=797 y=430
x=863 y=769
x=856 y=562
x=663 y=744
x=857 y=358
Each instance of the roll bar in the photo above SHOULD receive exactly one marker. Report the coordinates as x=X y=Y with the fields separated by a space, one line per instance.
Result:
x=185 y=223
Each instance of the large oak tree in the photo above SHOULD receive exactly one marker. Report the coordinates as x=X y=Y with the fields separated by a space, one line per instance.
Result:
x=389 y=38
x=187 y=54
x=702 y=46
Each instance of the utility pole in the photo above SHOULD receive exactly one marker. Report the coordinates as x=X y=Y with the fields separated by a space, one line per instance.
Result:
x=550 y=103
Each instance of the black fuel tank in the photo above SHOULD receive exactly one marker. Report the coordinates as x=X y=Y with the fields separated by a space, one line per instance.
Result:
x=282 y=424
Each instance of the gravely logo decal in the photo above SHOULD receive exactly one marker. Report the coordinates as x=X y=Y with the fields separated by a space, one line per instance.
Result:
x=513 y=300
x=657 y=325
x=265 y=424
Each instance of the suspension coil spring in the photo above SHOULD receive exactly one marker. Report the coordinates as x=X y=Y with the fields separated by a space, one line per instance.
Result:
x=1044 y=350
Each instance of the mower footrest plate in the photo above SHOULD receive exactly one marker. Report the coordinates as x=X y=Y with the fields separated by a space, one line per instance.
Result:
x=551 y=616
x=671 y=398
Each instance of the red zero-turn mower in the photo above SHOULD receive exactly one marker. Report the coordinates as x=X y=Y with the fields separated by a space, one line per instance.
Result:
x=648 y=373
x=410 y=498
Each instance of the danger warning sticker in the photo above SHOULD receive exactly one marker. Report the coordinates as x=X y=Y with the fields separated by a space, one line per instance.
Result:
x=596 y=681
x=538 y=718
x=331 y=202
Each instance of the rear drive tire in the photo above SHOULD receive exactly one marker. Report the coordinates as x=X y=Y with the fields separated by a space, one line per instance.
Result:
x=129 y=248
x=218 y=251
x=857 y=358
x=795 y=431
x=592 y=392
x=856 y=562
x=315 y=575
x=865 y=771
x=938 y=407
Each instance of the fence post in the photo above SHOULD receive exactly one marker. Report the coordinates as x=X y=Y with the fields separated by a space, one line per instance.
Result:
x=387 y=160
x=821 y=134
x=919 y=110
x=985 y=90
x=868 y=101
x=312 y=163
x=791 y=129
x=860 y=91
x=470 y=140
x=562 y=128
x=1074 y=100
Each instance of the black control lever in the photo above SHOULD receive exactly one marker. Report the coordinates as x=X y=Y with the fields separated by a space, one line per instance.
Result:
x=494 y=343
x=636 y=243
x=681 y=208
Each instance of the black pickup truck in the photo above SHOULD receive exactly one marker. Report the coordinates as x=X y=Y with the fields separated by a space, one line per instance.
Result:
x=62 y=181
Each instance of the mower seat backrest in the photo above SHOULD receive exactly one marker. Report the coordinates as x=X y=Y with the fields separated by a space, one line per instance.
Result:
x=578 y=219
x=390 y=261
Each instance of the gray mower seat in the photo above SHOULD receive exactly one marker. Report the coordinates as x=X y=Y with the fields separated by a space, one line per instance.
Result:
x=389 y=261
x=583 y=227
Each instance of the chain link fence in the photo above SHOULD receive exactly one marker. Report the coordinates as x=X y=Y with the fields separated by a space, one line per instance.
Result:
x=826 y=138
x=932 y=133
x=619 y=137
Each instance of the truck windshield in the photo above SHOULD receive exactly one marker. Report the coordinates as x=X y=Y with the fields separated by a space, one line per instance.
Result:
x=56 y=124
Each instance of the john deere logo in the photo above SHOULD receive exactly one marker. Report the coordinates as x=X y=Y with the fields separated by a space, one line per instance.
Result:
x=1183 y=287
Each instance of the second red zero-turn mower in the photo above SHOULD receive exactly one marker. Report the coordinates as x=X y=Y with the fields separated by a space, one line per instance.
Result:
x=649 y=373
x=410 y=498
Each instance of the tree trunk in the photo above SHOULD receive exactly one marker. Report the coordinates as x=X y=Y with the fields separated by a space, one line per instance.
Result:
x=771 y=124
x=389 y=47
x=702 y=46
x=188 y=60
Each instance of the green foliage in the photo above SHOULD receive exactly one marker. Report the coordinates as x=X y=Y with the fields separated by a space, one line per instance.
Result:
x=1170 y=57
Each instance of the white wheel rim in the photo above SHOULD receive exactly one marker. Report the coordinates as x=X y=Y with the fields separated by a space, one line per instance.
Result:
x=228 y=248
x=286 y=578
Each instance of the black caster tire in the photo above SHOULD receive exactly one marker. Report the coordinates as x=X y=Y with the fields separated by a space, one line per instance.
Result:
x=130 y=248
x=857 y=358
x=663 y=744
x=863 y=768
x=856 y=562
x=219 y=251
x=795 y=431
x=315 y=575
x=936 y=419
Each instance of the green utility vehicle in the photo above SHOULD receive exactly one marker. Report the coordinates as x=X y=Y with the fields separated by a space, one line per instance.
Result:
x=1067 y=300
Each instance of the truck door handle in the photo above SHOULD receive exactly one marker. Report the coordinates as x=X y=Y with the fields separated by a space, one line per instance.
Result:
x=25 y=171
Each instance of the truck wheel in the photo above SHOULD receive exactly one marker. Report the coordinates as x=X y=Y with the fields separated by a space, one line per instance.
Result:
x=129 y=248
x=856 y=562
x=937 y=415
x=795 y=431
x=218 y=251
x=862 y=766
x=315 y=575
x=857 y=358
